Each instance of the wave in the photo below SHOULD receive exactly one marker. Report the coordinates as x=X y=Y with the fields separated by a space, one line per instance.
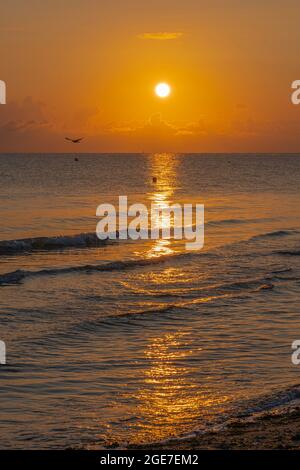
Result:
x=236 y=221
x=274 y=400
x=276 y=234
x=159 y=312
x=282 y=271
x=227 y=222
x=16 y=276
x=90 y=239
x=281 y=402
x=288 y=252
x=256 y=284
x=82 y=240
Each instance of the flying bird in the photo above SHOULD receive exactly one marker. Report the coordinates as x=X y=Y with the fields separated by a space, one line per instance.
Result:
x=74 y=141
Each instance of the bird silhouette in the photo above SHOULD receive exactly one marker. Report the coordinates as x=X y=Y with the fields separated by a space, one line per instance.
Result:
x=74 y=141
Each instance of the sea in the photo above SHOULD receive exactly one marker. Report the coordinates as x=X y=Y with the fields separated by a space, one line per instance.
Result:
x=125 y=342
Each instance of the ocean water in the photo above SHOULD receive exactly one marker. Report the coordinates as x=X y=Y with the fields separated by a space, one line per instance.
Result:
x=140 y=341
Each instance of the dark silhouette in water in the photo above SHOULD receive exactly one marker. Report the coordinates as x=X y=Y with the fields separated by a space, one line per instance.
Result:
x=154 y=179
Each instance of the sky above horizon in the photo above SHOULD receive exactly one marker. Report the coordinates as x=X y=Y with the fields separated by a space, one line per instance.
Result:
x=88 y=69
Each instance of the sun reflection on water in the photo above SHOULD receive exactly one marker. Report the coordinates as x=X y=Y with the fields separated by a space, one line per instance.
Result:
x=171 y=397
x=162 y=168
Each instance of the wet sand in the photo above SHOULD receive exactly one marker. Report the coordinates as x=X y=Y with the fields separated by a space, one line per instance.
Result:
x=281 y=431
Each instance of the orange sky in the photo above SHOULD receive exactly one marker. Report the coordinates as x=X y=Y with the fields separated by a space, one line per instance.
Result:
x=88 y=68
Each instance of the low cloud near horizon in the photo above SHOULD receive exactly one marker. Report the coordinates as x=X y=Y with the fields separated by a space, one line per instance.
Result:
x=29 y=126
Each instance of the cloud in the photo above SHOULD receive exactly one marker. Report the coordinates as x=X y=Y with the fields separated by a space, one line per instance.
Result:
x=192 y=128
x=29 y=125
x=27 y=115
x=160 y=36
x=154 y=125
x=25 y=124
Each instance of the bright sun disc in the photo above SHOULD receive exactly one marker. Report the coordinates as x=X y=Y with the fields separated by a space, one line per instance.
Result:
x=162 y=90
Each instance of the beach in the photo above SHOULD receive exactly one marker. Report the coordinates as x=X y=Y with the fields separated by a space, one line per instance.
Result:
x=270 y=432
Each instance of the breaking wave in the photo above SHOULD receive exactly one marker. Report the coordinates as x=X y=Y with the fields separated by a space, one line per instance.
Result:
x=82 y=240
x=280 y=402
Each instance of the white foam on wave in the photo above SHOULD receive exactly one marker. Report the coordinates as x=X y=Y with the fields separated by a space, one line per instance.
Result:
x=47 y=243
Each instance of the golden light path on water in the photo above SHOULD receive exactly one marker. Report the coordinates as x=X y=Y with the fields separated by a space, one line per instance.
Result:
x=169 y=396
x=163 y=167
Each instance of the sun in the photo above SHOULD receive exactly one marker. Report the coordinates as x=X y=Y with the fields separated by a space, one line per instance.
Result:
x=162 y=90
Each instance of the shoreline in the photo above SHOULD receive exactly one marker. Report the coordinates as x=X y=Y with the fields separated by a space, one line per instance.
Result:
x=266 y=432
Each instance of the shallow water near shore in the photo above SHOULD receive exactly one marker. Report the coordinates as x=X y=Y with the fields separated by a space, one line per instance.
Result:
x=139 y=341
